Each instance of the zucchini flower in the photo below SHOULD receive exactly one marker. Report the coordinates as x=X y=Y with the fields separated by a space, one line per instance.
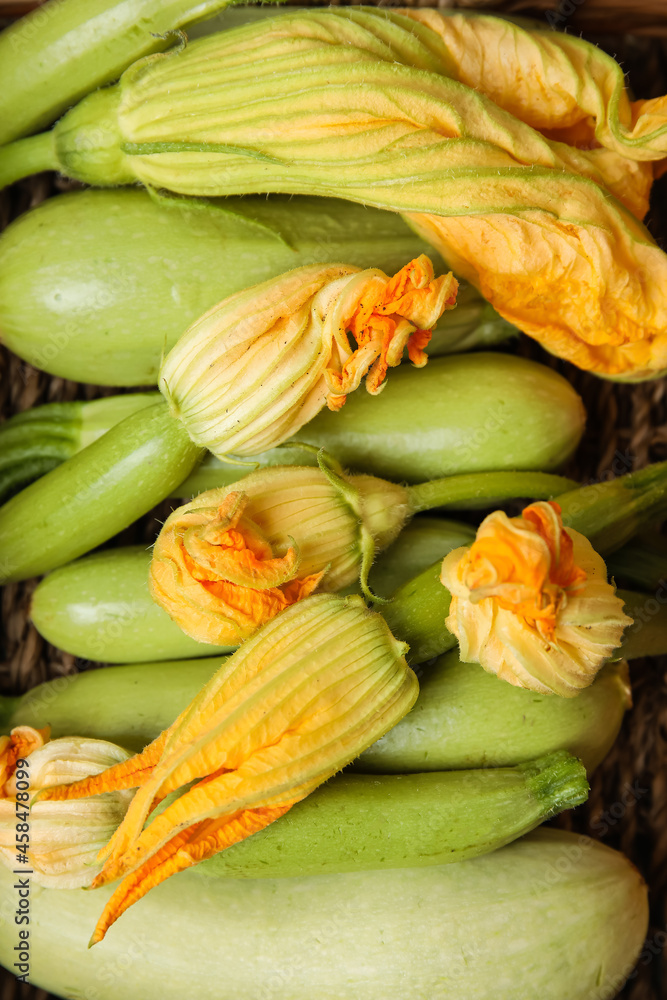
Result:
x=295 y=704
x=234 y=557
x=262 y=363
x=62 y=838
x=355 y=104
x=531 y=603
x=556 y=82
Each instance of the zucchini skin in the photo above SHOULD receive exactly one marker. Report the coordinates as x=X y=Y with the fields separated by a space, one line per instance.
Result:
x=464 y=718
x=499 y=927
x=359 y=822
x=465 y=413
x=56 y=55
x=94 y=494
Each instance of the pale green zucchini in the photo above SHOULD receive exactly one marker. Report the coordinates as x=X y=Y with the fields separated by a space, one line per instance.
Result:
x=465 y=413
x=95 y=285
x=500 y=927
x=463 y=717
x=99 y=607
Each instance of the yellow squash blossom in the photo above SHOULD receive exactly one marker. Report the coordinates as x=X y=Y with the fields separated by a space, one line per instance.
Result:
x=262 y=363
x=233 y=558
x=556 y=82
x=296 y=703
x=531 y=602
x=569 y=89
x=64 y=837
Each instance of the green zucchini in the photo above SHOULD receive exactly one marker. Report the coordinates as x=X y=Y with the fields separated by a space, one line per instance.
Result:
x=59 y=53
x=359 y=822
x=641 y=563
x=37 y=440
x=463 y=717
x=95 y=494
x=500 y=927
x=94 y=285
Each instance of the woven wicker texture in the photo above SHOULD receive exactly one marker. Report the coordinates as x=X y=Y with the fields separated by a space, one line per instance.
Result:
x=627 y=427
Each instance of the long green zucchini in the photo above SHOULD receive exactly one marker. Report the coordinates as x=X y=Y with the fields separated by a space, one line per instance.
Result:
x=99 y=607
x=463 y=717
x=95 y=494
x=37 y=440
x=500 y=927
x=357 y=822
x=57 y=54
x=101 y=305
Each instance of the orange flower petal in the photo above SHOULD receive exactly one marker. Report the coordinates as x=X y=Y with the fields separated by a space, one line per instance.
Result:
x=195 y=844
x=21 y=742
x=382 y=322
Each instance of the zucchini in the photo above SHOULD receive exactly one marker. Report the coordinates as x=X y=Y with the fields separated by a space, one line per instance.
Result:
x=95 y=494
x=499 y=927
x=463 y=717
x=37 y=440
x=359 y=822
x=95 y=285
x=99 y=607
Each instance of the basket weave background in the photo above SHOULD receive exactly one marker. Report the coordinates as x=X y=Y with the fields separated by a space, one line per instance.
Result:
x=627 y=427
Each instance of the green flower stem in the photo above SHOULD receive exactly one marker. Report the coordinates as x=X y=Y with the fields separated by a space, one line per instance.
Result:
x=485 y=489
x=27 y=156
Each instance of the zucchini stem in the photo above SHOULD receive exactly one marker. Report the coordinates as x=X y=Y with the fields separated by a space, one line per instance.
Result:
x=26 y=157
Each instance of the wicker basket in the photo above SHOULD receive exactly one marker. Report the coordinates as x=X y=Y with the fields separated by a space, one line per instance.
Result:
x=627 y=426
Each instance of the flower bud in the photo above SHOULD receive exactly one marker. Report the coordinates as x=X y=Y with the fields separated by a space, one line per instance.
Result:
x=531 y=602
x=262 y=363
x=293 y=705
x=233 y=558
x=63 y=838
